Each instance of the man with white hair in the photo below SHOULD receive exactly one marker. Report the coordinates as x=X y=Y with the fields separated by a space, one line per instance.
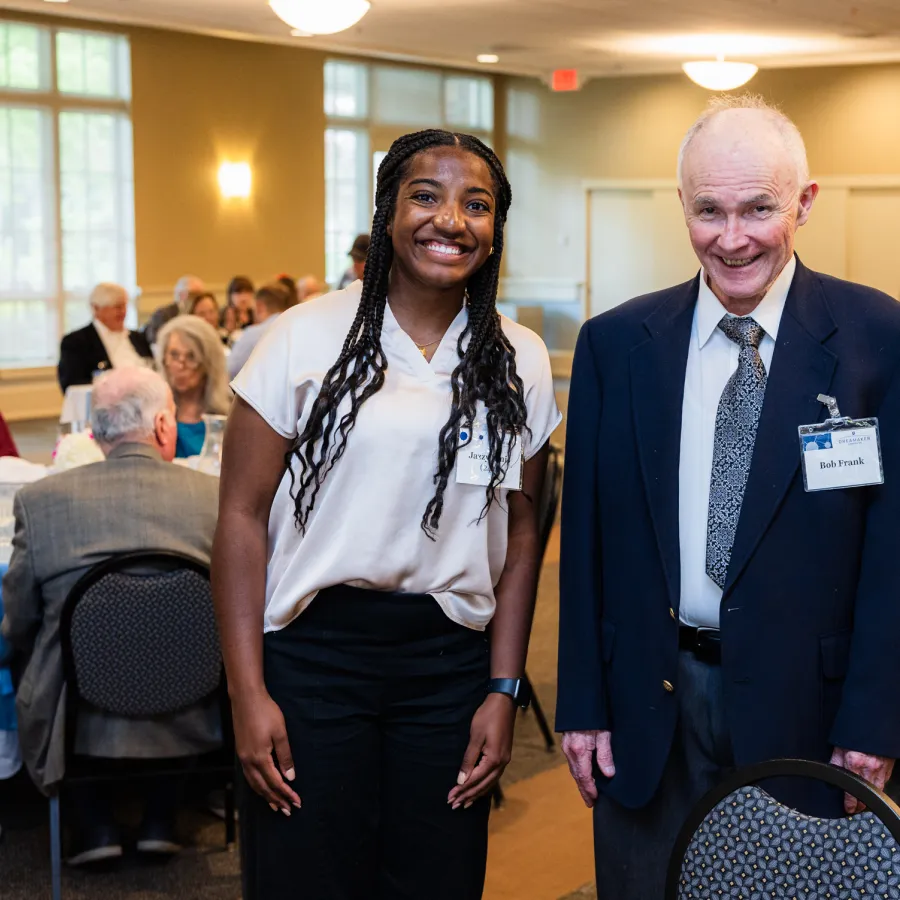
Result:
x=104 y=344
x=717 y=608
x=67 y=523
x=185 y=288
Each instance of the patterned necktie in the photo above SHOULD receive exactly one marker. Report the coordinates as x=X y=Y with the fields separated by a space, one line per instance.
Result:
x=736 y=422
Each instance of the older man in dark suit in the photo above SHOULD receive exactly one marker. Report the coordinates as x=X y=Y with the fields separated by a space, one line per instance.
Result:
x=65 y=524
x=715 y=612
x=104 y=344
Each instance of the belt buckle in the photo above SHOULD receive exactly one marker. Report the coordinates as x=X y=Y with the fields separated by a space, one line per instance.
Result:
x=706 y=630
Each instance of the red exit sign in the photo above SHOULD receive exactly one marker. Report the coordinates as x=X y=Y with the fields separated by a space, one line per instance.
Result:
x=565 y=80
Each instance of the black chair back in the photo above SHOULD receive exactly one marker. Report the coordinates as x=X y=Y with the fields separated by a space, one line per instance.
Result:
x=740 y=842
x=549 y=500
x=123 y=634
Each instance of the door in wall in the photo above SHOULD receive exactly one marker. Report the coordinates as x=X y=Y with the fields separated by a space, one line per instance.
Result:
x=638 y=243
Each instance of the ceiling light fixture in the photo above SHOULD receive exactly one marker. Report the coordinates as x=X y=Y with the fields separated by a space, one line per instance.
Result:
x=56 y=1
x=488 y=58
x=318 y=17
x=718 y=75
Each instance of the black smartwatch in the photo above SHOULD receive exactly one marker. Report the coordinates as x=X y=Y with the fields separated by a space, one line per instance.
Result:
x=517 y=688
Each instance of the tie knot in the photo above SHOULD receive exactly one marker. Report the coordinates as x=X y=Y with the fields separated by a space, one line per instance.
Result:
x=746 y=332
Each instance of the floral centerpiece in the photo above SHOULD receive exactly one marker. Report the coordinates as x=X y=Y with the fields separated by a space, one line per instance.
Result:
x=74 y=450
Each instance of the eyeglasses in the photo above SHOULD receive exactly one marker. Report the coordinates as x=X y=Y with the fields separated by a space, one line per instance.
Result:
x=188 y=360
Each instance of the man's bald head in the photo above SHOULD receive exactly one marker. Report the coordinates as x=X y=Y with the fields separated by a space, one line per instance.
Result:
x=748 y=118
x=133 y=405
x=745 y=189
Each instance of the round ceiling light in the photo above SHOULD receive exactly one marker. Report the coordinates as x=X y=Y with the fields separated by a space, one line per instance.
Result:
x=718 y=75
x=488 y=58
x=317 y=17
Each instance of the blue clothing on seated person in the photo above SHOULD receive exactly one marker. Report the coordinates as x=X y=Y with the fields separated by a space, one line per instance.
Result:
x=191 y=436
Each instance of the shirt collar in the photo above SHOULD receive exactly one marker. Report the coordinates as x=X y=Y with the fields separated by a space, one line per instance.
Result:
x=768 y=314
x=105 y=333
x=133 y=448
x=399 y=339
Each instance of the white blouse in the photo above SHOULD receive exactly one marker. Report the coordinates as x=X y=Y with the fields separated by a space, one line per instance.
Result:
x=365 y=530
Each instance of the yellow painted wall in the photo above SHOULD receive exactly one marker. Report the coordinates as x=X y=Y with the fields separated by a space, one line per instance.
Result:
x=199 y=101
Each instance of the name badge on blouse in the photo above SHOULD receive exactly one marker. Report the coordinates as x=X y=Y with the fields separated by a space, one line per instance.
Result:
x=840 y=452
x=472 y=465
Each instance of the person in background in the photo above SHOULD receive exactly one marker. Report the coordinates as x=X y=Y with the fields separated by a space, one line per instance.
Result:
x=65 y=524
x=290 y=286
x=358 y=254
x=228 y=323
x=240 y=297
x=193 y=361
x=7 y=444
x=184 y=288
x=309 y=287
x=204 y=305
x=104 y=344
x=271 y=300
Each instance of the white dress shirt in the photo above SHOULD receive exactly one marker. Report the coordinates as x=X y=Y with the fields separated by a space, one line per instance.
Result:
x=712 y=360
x=119 y=348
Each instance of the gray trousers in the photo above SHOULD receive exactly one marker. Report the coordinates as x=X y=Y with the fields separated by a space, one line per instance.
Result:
x=632 y=846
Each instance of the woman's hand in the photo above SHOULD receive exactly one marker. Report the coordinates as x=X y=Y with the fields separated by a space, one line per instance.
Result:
x=259 y=730
x=489 y=750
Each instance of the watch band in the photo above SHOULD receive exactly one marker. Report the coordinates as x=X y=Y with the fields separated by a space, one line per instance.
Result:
x=517 y=688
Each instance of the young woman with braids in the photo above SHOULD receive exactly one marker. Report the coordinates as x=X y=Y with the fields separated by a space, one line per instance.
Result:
x=358 y=563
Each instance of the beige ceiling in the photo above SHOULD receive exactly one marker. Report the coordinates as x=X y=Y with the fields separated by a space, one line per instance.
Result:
x=598 y=37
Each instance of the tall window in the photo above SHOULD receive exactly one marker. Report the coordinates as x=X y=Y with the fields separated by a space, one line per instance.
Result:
x=66 y=182
x=367 y=107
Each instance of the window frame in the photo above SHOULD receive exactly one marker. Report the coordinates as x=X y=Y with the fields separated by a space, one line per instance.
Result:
x=55 y=102
x=380 y=134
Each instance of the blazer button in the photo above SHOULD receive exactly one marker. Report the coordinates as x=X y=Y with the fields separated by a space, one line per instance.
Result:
x=669 y=687
x=671 y=612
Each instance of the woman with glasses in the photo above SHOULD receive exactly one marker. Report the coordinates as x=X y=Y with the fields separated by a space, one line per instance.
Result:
x=194 y=365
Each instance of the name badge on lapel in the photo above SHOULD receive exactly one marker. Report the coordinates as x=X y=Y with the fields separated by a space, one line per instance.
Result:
x=840 y=452
x=472 y=465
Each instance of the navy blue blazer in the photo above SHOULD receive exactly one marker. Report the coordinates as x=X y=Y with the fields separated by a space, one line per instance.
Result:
x=82 y=352
x=810 y=613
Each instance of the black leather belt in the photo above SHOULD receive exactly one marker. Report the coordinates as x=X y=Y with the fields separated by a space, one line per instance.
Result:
x=704 y=643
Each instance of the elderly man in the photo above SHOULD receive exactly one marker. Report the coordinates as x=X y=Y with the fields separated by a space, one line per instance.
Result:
x=104 y=344
x=67 y=523
x=186 y=287
x=714 y=611
x=271 y=301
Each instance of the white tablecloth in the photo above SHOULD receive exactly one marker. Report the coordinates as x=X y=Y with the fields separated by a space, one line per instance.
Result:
x=76 y=408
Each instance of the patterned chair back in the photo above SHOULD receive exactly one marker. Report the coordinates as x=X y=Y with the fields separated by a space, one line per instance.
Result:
x=745 y=844
x=139 y=636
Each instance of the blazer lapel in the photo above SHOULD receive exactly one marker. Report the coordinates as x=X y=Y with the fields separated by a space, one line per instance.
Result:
x=658 y=369
x=98 y=350
x=801 y=369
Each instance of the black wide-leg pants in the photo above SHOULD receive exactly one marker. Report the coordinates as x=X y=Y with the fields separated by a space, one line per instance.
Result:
x=378 y=691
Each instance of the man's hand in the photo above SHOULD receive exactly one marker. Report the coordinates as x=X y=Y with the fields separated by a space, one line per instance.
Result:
x=875 y=769
x=580 y=748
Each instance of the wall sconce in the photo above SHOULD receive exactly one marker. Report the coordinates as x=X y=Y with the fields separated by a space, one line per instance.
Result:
x=235 y=179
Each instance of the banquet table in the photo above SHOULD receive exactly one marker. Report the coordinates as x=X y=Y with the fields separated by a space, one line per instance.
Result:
x=10 y=758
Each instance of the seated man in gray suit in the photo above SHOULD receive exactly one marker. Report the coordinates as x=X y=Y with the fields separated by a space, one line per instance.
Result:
x=65 y=524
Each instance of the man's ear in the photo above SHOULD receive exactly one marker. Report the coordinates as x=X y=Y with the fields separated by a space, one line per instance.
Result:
x=807 y=198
